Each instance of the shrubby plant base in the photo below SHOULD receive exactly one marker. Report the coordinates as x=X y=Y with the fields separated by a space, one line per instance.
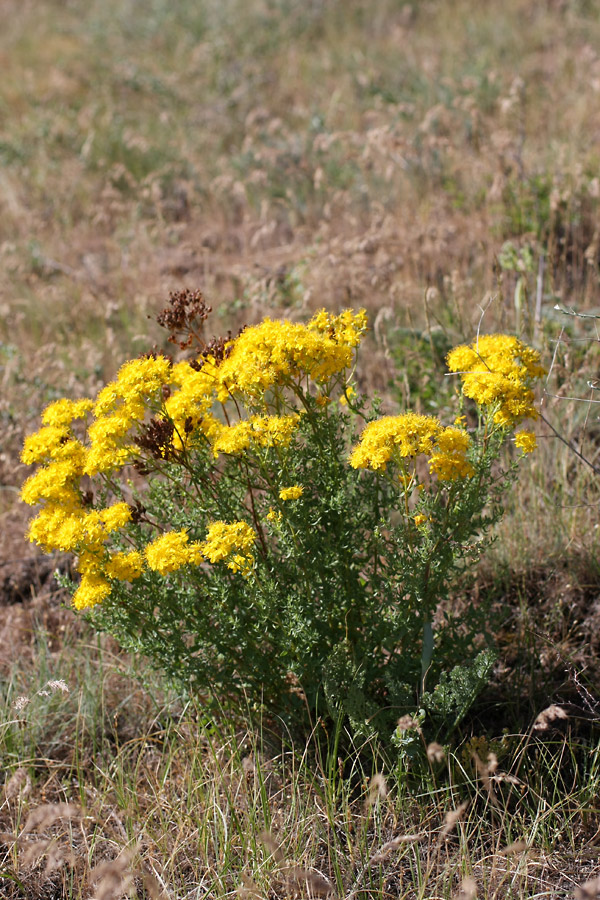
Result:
x=253 y=525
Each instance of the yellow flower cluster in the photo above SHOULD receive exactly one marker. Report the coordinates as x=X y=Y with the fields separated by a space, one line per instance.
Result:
x=401 y=436
x=55 y=440
x=121 y=404
x=291 y=493
x=225 y=542
x=231 y=542
x=279 y=352
x=61 y=454
x=184 y=395
x=97 y=568
x=261 y=431
x=393 y=438
x=72 y=529
x=172 y=551
x=64 y=523
x=63 y=412
x=125 y=566
x=92 y=589
x=526 y=441
x=192 y=401
x=498 y=371
x=64 y=529
x=449 y=459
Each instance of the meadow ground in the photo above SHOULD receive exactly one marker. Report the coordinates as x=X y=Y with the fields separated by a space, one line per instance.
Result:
x=436 y=163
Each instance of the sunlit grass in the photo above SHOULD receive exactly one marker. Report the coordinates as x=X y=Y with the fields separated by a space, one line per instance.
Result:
x=231 y=803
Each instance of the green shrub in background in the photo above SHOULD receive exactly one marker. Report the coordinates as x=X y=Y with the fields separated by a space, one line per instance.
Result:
x=249 y=523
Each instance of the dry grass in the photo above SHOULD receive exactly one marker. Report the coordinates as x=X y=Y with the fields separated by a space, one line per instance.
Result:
x=284 y=157
x=151 y=799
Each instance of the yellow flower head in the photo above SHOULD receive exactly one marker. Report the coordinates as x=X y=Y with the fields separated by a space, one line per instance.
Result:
x=230 y=542
x=92 y=589
x=410 y=435
x=402 y=436
x=54 y=483
x=279 y=352
x=115 y=516
x=125 y=566
x=57 y=527
x=62 y=412
x=188 y=407
x=44 y=444
x=137 y=380
x=170 y=552
x=498 y=371
x=258 y=431
x=526 y=441
x=291 y=493
x=108 y=450
x=449 y=459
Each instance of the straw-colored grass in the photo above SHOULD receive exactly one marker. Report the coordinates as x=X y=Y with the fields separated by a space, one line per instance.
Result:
x=114 y=780
x=285 y=157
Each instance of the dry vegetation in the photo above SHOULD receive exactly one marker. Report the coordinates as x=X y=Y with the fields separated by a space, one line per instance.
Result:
x=286 y=156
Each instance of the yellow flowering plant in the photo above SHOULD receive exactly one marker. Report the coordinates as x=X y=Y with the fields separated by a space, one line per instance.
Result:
x=252 y=524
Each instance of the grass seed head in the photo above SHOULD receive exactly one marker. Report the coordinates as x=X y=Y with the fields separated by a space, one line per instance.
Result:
x=468 y=889
x=590 y=890
x=435 y=752
x=551 y=714
x=113 y=878
x=19 y=783
x=45 y=816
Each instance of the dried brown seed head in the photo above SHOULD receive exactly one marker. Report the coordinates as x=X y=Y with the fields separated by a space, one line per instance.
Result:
x=590 y=890
x=184 y=317
x=18 y=783
x=47 y=815
x=408 y=723
x=550 y=714
x=468 y=889
x=156 y=438
x=435 y=752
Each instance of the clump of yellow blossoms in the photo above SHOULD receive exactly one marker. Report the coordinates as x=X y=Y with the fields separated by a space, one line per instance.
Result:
x=125 y=566
x=243 y=405
x=291 y=493
x=262 y=431
x=231 y=543
x=120 y=405
x=280 y=353
x=497 y=372
x=92 y=589
x=397 y=438
x=172 y=551
x=526 y=441
x=449 y=458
